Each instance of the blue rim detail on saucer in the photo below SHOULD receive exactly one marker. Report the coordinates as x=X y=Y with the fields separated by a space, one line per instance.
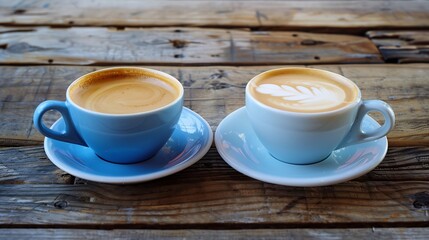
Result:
x=239 y=146
x=191 y=140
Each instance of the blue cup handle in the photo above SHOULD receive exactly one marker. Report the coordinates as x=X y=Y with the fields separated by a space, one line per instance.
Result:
x=69 y=134
x=356 y=135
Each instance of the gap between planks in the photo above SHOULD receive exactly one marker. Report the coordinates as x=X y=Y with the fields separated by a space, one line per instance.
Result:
x=209 y=234
x=222 y=226
x=354 y=31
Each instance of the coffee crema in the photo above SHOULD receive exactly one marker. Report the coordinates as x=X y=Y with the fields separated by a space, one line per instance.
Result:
x=123 y=91
x=303 y=90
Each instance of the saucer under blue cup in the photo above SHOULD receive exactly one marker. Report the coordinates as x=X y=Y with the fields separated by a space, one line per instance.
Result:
x=190 y=141
x=239 y=146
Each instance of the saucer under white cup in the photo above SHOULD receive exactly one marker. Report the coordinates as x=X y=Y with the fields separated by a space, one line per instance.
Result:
x=238 y=145
x=190 y=141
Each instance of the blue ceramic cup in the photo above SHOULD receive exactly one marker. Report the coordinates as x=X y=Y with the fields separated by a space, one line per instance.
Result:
x=308 y=123
x=120 y=138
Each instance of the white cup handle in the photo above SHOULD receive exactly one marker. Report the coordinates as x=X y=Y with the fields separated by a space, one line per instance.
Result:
x=356 y=135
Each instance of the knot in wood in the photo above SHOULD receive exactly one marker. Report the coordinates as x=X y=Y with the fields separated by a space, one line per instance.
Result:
x=60 y=204
x=216 y=85
x=177 y=43
x=19 y=11
x=309 y=42
x=421 y=200
x=218 y=75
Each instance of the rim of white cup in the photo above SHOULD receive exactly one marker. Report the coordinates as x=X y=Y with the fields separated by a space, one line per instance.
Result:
x=304 y=114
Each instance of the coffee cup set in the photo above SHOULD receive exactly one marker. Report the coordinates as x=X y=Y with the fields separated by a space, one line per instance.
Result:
x=299 y=127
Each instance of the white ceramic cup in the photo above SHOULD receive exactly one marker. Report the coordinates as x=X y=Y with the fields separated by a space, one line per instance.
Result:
x=305 y=138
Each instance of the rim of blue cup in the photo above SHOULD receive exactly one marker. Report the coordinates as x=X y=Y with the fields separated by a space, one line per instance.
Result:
x=152 y=72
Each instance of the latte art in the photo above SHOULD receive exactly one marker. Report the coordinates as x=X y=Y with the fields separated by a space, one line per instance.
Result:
x=304 y=95
x=303 y=90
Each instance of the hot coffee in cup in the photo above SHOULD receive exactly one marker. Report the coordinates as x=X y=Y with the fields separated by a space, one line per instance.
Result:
x=301 y=115
x=124 y=91
x=124 y=114
x=304 y=91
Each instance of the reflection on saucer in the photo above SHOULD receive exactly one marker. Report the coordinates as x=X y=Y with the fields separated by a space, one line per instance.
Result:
x=360 y=156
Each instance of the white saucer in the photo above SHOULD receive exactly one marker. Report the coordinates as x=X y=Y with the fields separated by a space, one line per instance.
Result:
x=241 y=149
x=190 y=141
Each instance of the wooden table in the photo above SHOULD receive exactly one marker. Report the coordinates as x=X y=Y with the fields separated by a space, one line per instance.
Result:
x=213 y=48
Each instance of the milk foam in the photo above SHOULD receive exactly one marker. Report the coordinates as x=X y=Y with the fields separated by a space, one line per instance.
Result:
x=303 y=90
x=304 y=95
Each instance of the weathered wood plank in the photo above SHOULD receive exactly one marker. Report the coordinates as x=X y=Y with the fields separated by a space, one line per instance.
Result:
x=316 y=15
x=213 y=200
x=402 y=46
x=280 y=234
x=214 y=92
x=29 y=165
x=190 y=46
x=400 y=164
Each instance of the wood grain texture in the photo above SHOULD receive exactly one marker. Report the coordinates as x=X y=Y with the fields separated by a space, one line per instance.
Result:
x=190 y=46
x=207 y=234
x=193 y=200
x=402 y=46
x=29 y=165
x=214 y=92
x=316 y=15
